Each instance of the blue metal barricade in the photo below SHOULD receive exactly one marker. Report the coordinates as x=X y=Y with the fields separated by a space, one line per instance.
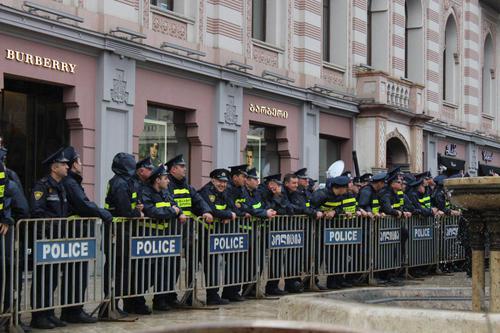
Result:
x=449 y=247
x=150 y=257
x=342 y=246
x=288 y=242
x=385 y=244
x=64 y=256
x=421 y=246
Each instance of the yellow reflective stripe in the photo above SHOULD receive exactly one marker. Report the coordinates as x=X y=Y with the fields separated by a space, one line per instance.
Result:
x=183 y=202
x=106 y=206
x=396 y=205
x=2 y=190
x=308 y=204
x=181 y=191
x=333 y=204
x=187 y=213
x=240 y=200
x=73 y=217
x=220 y=207
x=349 y=200
x=375 y=201
x=1 y=206
x=257 y=205
x=245 y=227
x=375 y=210
x=119 y=219
x=134 y=195
x=157 y=226
x=162 y=204
x=2 y=175
x=133 y=205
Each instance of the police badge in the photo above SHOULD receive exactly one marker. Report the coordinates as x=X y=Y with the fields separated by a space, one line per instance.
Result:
x=38 y=195
x=211 y=197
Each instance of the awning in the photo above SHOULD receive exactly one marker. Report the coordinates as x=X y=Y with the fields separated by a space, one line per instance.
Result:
x=451 y=164
x=488 y=170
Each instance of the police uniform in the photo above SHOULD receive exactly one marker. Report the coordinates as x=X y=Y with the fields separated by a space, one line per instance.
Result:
x=416 y=200
x=48 y=200
x=278 y=202
x=187 y=199
x=159 y=205
x=368 y=198
x=223 y=207
x=121 y=202
x=78 y=205
x=255 y=202
x=307 y=190
x=237 y=194
x=425 y=198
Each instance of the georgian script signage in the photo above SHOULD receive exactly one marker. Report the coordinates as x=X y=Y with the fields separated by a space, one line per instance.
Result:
x=450 y=149
x=487 y=155
x=44 y=62
x=268 y=111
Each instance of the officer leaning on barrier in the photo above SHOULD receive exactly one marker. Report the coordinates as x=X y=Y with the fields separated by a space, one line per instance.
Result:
x=439 y=197
x=304 y=188
x=122 y=202
x=276 y=198
x=415 y=194
x=236 y=189
x=216 y=195
x=298 y=198
x=187 y=199
x=350 y=206
x=255 y=201
x=369 y=196
x=48 y=200
x=78 y=205
x=160 y=205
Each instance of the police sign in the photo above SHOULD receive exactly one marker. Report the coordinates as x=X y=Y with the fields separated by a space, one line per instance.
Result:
x=388 y=236
x=227 y=243
x=451 y=231
x=286 y=239
x=422 y=233
x=54 y=251
x=155 y=246
x=343 y=236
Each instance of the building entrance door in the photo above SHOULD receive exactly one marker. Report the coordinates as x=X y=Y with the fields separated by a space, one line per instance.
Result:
x=32 y=126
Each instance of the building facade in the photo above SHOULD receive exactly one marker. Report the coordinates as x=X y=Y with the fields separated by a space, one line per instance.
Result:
x=275 y=84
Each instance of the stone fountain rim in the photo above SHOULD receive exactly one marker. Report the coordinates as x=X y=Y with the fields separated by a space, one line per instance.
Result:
x=481 y=183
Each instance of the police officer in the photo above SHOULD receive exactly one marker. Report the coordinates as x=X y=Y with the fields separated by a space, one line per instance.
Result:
x=304 y=187
x=160 y=205
x=276 y=197
x=187 y=199
x=48 y=200
x=216 y=194
x=439 y=197
x=143 y=170
x=329 y=201
x=78 y=205
x=11 y=174
x=236 y=189
x=415 y=193
x=122 y=202
x=254 y=198
x=369 y=199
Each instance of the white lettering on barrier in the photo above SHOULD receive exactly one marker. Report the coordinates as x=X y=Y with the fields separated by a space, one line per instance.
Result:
x=286 y=239
x=422 y=232
x=65 y=250
x=389 y=236
x=451 y=232
x=154 y=247
x=228 y=243
x=343 y=236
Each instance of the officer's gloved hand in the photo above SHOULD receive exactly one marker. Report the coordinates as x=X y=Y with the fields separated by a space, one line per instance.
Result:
x=106 y=216
x=4 y=228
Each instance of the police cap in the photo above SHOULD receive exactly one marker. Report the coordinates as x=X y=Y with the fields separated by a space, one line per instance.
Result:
x=301 y=173
x=416 y=182
x=379 y=177
x=394 y=171
x=347 y=174
x=409 y=178
x=71 y=154
x=157 y=172
x=392 y=178
x=145 y=163
x=356 y=180
x=439 y=180
x=177 y=160
x=238 y=169
x=57 y=157
x=252 y=173
x=340 y=181
x=220 y=174
x=273 y=178
x=423 y=175
x=366 y=177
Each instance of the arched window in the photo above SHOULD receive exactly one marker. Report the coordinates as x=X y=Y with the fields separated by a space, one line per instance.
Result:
x=414 y=41
x=450 y=61
x=378 y=34
x=488 y=76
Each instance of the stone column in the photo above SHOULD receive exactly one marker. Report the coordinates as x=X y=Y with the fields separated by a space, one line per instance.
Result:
x=476 y=229
x=493 y=224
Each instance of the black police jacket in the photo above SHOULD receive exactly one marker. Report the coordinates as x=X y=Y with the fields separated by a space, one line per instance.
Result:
x=78 y=202
x=414 y=196
x=16 y=205
x=238 y=196
x=158 y=205
x=255 y=203
x=300 y=203
x=220 y=204
x=280 y=203
x=439 y=200
x=187 y=198
x=367 y=197
x=325 y=200
x=390 y=203
x=48 y=199
x=122 y=197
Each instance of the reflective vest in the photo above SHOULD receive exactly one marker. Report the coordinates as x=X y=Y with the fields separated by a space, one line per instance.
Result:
x=182 y=197
x=375 y=206
x=425 y=201
x=401 y=202
x=133 y=202
x=330 y=205
x=349 y=205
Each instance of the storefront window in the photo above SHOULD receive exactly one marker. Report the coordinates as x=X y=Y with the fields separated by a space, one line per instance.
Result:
x=164 y=135
x=262 y=150
x=329 y=152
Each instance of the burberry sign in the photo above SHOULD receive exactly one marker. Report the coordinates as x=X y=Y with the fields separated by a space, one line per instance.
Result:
x=43 y=62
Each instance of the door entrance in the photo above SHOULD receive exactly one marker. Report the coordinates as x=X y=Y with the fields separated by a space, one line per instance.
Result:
x=32 y=125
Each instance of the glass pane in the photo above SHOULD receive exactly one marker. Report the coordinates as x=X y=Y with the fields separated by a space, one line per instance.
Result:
x=263 y=149
x=153 y=141
x=329 y=152
x=259 y=19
